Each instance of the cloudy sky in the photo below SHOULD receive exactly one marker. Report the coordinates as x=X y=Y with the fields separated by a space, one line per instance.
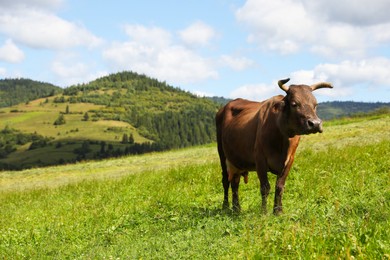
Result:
x=236 y=48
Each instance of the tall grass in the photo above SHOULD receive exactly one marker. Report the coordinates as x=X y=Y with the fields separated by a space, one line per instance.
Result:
x=336 y=202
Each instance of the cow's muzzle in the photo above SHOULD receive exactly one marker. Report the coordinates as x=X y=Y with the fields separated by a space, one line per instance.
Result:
x=314 y=125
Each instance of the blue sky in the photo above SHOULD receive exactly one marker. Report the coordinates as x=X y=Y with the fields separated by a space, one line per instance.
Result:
x=237 y=48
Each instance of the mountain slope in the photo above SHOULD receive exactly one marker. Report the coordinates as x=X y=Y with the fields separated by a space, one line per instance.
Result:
x=169 y=116
x=15 y=91
x=124 y=113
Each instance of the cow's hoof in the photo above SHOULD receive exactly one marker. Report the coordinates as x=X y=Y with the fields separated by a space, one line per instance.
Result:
x=225 y=205
x=236 y=208
x=278 y=211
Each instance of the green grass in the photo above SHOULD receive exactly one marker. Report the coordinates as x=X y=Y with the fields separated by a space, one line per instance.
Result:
x=38 y=117
x=168 y=205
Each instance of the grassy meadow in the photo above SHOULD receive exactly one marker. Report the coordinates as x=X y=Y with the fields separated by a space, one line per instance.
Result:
x=39 y=115
x=168 y=205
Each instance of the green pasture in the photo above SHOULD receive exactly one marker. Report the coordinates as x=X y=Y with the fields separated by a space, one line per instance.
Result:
x=168 y=205
x=38 y=116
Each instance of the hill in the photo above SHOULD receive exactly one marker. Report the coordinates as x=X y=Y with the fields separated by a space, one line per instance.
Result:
x=123 y=113
x=16 y=91
x=168 y=205
x=338 y=109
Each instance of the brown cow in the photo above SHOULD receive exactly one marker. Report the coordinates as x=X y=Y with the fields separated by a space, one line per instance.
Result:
x=263 y=137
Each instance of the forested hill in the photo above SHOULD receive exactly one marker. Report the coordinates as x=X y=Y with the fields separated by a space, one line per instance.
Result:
x=171 y=117
x=16 y=91
x=337 y=109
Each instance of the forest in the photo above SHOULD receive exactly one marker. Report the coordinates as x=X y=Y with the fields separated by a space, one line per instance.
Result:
x=16 y=91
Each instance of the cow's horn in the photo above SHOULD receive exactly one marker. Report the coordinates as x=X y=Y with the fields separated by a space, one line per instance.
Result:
x=321 y=85
x=281 y=84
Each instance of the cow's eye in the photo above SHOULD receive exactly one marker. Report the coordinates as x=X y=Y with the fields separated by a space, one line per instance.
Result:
x=294 y=104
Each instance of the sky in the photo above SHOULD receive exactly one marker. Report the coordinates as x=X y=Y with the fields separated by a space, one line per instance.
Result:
x=236 y=48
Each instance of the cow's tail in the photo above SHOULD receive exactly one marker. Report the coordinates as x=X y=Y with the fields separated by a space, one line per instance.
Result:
x=219 y=119
x=219 y=122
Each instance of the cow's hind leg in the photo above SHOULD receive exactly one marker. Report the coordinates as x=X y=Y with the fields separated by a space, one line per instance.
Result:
x=235 y=185
x=225 y=177
x=225 y=184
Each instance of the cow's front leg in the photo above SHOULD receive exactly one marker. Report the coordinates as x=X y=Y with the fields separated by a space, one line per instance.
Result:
x=279 y=188
x=264 y=190
x=235 y=183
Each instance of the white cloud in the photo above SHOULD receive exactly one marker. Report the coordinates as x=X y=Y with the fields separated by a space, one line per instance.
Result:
x=152 y=52
x=39 y=28
x=256 y=92
x=9 y=52
x=69 y=69
x=198 y=33
x=236 y=63
x=276 y=25
x=356 y=12
x=348 y=76
x=373 y=72
x=46 y=4
x=330 y=28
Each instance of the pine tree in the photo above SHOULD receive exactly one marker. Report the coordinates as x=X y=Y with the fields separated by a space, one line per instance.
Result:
x=125 y=139
x=131 y=139
x=60 y=120
x=86 y=116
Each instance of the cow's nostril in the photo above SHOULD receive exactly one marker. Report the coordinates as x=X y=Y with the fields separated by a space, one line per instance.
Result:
x=310 y=123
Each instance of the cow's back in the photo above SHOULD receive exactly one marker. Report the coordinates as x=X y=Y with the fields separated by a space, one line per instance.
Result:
x=236 y=131
x=238 y=125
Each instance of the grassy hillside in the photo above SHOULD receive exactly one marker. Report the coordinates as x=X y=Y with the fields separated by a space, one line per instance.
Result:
x=171 y=117
x=119 y=108
x=168 y=205
x=38 y=116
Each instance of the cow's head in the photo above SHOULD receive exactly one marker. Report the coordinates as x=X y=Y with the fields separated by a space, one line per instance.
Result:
x=299 y=108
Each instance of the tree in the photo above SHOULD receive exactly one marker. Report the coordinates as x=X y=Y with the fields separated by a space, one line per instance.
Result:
x=125 y=139
x=131 y=139
x=86 y=116
x=102 y=147
x=60 y=120
x=83 y=150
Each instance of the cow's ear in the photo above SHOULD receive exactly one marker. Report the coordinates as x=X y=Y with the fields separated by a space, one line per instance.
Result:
x=279 y=105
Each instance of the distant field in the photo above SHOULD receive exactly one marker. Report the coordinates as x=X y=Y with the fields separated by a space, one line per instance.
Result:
x=38 y=116
x=168 y=205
